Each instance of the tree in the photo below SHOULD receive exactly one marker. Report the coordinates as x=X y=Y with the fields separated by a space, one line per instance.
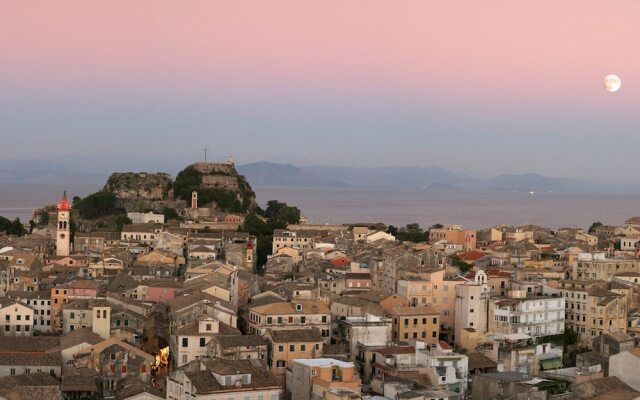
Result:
x=392 y=230
x=594 y=226
x=411 y=233
x=97 y=205
x=279 y=216
x=281 y=211
x=14 y=227
x=171 y=214
x=462 y=266
x=44 y=218
x=189 y=180
x=121 y=221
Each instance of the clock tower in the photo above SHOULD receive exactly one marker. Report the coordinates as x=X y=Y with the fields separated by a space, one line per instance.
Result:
x=63 y=231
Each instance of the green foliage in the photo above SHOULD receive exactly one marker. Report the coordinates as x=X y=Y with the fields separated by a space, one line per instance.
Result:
x=14 y=227
x=171 y=214
x=409 y=233
x=375 y=226
x=189 y=180
x=594 y=226
x=282 y=212
x=73 y=228
x=99 y=204
x=42 y=217
x=436 y=226
x=121 y=221
x=462 y=266
x=276 y=216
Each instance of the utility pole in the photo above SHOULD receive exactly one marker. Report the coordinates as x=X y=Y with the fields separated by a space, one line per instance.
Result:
x=205 y=153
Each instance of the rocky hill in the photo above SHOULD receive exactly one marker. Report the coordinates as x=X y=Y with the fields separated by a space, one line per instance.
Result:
x=140 y=185
x=218 y=185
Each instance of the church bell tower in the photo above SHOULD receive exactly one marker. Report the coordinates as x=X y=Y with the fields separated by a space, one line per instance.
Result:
x=63 y=231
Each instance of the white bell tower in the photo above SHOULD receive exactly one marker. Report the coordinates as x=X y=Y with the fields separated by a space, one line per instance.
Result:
x=63 y=231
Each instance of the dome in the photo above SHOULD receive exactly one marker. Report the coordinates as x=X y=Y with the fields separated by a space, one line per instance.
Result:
x=64 y=203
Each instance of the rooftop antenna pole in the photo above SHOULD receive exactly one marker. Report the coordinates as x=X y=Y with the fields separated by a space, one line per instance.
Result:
x=205 y=153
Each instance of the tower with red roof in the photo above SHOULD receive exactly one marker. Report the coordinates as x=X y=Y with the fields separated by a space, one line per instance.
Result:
x=63 y=231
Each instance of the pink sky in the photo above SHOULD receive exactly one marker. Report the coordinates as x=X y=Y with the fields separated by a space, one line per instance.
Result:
x=497 y=83
x=504 y=47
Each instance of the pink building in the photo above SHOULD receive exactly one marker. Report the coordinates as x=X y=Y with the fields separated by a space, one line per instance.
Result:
x=161 y=291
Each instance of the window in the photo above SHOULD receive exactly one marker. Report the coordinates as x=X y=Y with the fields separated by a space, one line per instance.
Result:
x=18 y=317
x=7 y=318
x=269 y=320
x=471 y=310
x=208 y=327
x=185 y=358
x=324 y=318
x=280 y=363
x=303 y=347
x=435 y=320
x=143 y=368
x=203 y=342
x=6 y=328
x=185 y=342
x=281 y=348
x=303 y=320
x=123 y=369
x=292 y=347
x=13 y=371
x=434 y=334
x=98 y=314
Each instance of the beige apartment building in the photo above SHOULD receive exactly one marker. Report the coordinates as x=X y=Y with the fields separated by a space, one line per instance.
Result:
x=415 y=323
x=591 y=309
x=288 y=345
x=290 y=316
x=595 y=266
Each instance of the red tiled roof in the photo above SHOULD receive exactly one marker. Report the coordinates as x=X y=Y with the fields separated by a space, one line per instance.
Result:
x=444 y=345
x=472 y=255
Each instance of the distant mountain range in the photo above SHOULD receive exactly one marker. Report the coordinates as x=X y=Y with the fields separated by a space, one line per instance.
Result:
x=95 y=170
x=431 y=178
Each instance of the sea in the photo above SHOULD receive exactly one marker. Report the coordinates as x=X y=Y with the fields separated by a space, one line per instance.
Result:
x=472 y=209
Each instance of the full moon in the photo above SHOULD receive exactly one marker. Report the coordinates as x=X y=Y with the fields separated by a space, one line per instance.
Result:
x=612 y=83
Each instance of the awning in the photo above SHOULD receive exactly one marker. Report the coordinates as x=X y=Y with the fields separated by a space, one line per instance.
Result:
x=551 y=363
